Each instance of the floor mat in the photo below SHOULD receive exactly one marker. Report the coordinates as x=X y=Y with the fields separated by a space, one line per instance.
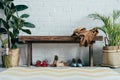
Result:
x=59 y=73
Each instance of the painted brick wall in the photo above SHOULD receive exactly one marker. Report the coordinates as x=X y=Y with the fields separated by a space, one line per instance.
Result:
x=61 y=17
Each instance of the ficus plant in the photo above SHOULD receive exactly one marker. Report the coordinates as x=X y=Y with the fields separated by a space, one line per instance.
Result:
x=111 y=26
x=12 y=23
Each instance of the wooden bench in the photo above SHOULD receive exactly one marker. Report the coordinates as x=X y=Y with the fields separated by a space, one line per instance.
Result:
x=53 y=39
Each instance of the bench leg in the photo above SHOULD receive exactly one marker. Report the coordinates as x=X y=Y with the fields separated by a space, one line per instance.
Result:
x=29 y=59
x=91 y=61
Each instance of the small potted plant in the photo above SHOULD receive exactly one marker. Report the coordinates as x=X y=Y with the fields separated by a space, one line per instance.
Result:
x=12 y=23
x=111 y=28
x=6 y=59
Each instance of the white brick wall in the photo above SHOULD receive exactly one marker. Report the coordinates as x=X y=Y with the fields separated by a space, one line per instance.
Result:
x=61 y=17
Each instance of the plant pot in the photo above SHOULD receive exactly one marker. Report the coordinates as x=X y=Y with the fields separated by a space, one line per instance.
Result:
x=111 y=56
x=15 y=56
x=6 y=61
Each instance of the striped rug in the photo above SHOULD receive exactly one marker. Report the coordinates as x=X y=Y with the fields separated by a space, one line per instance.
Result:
x=66 y=73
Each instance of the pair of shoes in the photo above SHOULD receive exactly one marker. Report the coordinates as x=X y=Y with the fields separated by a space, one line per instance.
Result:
x=76 y=64
x=44 y=63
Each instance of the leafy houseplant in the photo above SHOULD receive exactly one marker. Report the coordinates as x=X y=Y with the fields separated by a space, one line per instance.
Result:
x=111 y=28
x=12 y=23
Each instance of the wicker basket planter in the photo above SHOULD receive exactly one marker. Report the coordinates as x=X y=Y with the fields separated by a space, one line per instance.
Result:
x=15 y=56
x=6 y=61
x=111 y=56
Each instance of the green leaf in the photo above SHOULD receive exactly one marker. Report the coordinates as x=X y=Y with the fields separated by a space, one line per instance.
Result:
x=9 y=16
x=28 y=24
x=117 y=25
x=104 y=19
x=21 y=7
x=8 y=0
x=116 y=14
x=26 y=31
x=14 y=41
x=14 y=46
x=3 y=31
x=15 y=32
x=5 y=41
x=1 y=5
x=6 y=25
x=15 y=21
x=11 y=35
x=24 y=16
x=12 y=6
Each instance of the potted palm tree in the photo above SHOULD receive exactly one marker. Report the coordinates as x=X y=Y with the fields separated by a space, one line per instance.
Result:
x=11 y=24
x=111 y=28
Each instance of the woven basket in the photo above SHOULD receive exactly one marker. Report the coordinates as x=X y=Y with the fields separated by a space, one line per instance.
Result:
x=15 y=57
x=111 y=56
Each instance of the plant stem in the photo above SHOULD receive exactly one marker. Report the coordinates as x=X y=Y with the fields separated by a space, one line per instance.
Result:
x=1 y=39
x=8 y=39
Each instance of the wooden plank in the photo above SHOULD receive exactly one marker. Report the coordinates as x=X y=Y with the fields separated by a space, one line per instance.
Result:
x=52 y=39
x=98 y=38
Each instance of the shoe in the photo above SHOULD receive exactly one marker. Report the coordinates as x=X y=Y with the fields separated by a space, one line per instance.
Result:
x=44 y=63
x=38 y=63
x=73 y=64
x=79 y=63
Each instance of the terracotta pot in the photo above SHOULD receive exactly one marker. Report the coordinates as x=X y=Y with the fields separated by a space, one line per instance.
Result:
x=111 y=56
x=15 y=57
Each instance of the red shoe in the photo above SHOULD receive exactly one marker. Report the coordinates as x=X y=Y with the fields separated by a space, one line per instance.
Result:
x=38 y=63
x=44 y=63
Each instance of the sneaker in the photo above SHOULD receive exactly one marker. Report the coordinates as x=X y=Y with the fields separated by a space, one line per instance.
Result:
x=73 y=64
x=79 y=63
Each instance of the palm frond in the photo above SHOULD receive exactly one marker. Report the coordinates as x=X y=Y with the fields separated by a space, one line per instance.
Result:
x=106 y=20
x=116 y=25
x=116 y=15
x=102 y=29
x=98 y=16
x=110 y=27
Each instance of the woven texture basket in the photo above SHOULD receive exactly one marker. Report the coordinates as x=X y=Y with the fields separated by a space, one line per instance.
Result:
x=111 y=56
x=15 y=57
